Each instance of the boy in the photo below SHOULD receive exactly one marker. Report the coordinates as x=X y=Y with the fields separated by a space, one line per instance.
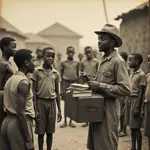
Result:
x=89 y=66
x=122 y=131
x=147 y=106
x=39 y=57
x=16 y=131
x=80 y=57
x=58 y=62
x=137 y=79
x=46 y=86
x=8 y=46
x=69 y=74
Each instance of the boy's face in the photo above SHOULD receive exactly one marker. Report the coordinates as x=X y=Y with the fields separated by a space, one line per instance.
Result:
x=148 y=61
x=10 y=50
x=88 y=53
x=49 y=57
x=132 y=62
x=104 y=42
x=31 y=64
x=70 y=53
x=39 y=53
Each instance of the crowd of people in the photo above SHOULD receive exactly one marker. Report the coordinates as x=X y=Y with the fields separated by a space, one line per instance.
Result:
x=34 y=91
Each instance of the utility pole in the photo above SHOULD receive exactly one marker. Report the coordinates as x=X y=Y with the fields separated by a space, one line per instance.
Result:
x=105 y=11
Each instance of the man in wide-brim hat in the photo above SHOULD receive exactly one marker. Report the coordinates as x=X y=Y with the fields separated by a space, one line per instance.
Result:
x=112 y=81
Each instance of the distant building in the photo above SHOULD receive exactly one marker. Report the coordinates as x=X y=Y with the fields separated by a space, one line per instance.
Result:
x=33 y=41
x=134 y=30
x=7 y=29
x=62 y=37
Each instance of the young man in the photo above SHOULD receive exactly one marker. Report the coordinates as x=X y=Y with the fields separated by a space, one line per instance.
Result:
x=39 y=57
x=123 y=131
x=89 y=66
x=112 y=81
x=7 y=45
x=46 y=86
x=16 y=131
x=69 y=74
x=146 y=106
x=138 y=80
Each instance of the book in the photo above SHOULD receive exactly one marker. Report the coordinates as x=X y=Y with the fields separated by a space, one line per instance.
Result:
x=82 y=94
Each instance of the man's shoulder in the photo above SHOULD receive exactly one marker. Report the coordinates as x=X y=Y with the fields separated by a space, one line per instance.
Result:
x=118 y=59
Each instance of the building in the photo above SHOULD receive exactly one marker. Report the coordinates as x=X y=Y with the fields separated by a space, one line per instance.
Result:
x=62 y=37
x=33 y=41
x=7 y=29
x=134 y=30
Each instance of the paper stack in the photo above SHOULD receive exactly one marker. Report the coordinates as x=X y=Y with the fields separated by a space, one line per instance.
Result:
x=80 y=90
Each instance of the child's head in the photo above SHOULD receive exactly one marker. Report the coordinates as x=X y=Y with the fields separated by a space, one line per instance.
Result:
x=48 y=55
x=59 y=56
x=124 y=55
x=39 y=52
x=70 y=52
x=95 y=52
x=88 y=52
x=135 y=60
x=80 y=56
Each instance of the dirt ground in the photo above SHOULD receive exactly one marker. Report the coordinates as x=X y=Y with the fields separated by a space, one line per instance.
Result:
x=75 y=139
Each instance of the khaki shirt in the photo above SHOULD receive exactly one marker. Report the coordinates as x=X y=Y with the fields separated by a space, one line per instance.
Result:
x=46 y=82
x=90 y=67
x=137 y=79
x=113 y=76
x=70 y=70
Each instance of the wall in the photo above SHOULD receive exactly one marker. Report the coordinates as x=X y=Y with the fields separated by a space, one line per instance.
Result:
x=134 y=31
x=63 y=42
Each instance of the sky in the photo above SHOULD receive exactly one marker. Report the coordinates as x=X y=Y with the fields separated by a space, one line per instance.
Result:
x=82 y=16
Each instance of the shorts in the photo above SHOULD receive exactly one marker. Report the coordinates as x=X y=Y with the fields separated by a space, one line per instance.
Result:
x=47 y=114
x=11 y=136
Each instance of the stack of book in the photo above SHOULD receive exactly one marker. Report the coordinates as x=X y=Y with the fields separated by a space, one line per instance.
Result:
x=80 y=90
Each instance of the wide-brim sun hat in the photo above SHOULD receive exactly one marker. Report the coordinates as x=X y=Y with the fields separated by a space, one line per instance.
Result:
x=112 y=31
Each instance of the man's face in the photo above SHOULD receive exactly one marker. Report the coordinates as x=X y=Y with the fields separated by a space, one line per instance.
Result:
x=89 y=54
x=70 y=53
x=104 y=42
x=31 y=65
x=10 y=50
x=148 y=61
x=49 y=57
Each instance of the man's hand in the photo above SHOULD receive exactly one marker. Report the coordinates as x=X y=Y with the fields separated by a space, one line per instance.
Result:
x=142 y=114
x=59 y=116
x=136 y=112
x=37 y=117
x=94 y=84
x=30 y=146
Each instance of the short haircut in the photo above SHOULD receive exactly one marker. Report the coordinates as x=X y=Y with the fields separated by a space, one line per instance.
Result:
x=124 y=55
x=39 y=49
x=47 y=48
x=138 y=56
x=87 y=47
x=21 y=56
x=5 y=41
x=69 y=47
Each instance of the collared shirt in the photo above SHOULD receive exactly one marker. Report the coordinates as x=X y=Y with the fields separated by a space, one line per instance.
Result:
x=137 y=79
x=113 y=76
x=90 y=66
x=46 y=82
x=11 y=95
x=70 y=70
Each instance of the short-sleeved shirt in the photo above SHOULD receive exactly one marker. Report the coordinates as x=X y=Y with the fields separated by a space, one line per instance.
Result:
x=70 y=70
x=46 y=82
x=90 y=67
x=137 y=79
